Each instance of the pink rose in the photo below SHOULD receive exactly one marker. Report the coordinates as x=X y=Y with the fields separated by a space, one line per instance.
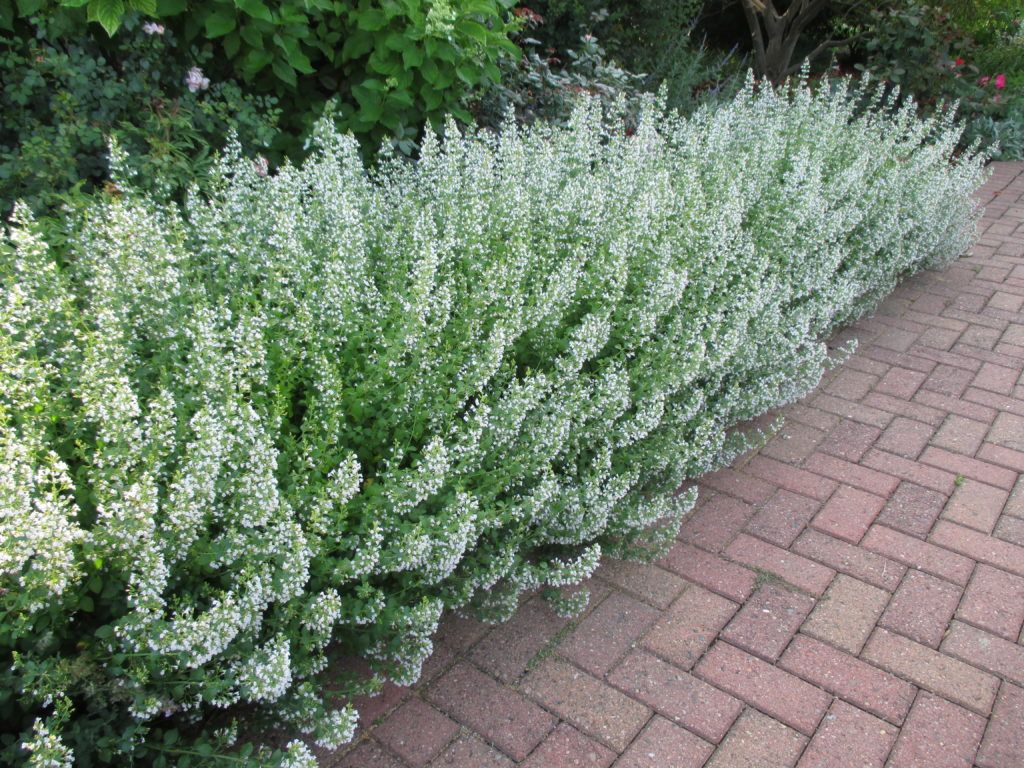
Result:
x=1000 y=81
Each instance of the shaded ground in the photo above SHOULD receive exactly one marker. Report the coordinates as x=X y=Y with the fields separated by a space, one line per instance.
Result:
x=850 y=595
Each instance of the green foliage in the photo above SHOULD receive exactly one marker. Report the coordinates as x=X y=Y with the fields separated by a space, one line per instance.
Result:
x=931 y=48
x=391 y=65
x=63 y=96
x=542 y=87
x=315 y=408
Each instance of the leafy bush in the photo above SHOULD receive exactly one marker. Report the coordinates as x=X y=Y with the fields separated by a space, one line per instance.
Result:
x=321 y=406
x=391 y=65
x=544 y=87
x=654 y=37
x=63 y=95
x=929 y=48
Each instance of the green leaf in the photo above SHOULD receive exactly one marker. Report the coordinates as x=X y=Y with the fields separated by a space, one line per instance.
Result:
x=170 y=7
x=256 y=9
x=108 y=13
x=473 y=30
x=147 y=7
x=284 y=72
x=255 y=61
x=252 y=36
x=299 y=61
x=468 y=74
x=357 y=44
x=218 y=24
x=231 y=45
x=371 y=20
x=29 y=7
x=412 y=56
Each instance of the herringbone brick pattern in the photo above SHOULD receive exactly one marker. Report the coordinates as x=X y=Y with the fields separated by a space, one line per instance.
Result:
x=850 y=595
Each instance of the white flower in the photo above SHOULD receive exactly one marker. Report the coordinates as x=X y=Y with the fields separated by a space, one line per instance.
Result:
x=196 y=81
x=152 y=28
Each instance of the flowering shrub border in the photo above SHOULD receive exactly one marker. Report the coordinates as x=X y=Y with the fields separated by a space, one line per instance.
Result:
x=315 y=408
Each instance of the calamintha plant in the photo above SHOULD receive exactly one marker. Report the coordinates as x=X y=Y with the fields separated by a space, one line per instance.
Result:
x=315 y=408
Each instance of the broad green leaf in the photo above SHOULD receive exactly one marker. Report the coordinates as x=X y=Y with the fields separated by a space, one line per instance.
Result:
x=255 y=8
x=284 y=72
x=371 y=20
x=108 y=13
x=218 y=24
x=170 y=7
x=29 y=7
x=252 y=36
x=232 y=43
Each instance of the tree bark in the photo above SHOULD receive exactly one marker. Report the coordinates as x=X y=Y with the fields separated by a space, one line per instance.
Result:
x=775 y=35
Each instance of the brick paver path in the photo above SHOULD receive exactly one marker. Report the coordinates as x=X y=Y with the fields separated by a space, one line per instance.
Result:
x=850 y=595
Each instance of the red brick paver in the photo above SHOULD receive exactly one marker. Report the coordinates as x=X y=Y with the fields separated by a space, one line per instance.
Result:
x=850 y=595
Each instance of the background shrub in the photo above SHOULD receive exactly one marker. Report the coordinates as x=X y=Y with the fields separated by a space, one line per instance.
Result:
x=320 y=406
x=64 y=94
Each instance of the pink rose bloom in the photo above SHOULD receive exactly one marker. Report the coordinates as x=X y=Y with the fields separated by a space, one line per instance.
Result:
x=1000 y=81
x=984 y=80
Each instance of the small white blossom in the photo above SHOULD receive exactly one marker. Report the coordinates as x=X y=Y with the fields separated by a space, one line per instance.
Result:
x=196 y=80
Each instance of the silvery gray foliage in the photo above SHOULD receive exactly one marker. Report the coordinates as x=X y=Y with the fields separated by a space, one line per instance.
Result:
x=324 y=404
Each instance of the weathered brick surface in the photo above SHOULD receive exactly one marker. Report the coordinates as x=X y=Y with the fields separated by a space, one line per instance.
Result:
x=937 y=672
x=591 y=705
x=768 y=620
x=369 y=754
x=710 y=571
x=912 y=509
x=607 y=632
x=758 y=741
x=416 y=732
x=849 y=678
x=846 y=614
x=849 y=736
x=850 y=595
x=921 y=608
x=506 y=650
x=663 y=743
x=655 y=586
x=501 y=715
x=1003 y=744
x=905 y=437
x=976 y=505
x=688 y=628
x=978 y=546
x=848 y=513
x=715 y=523
x=775 y=692
x=994 y=601
x=919 y=554
x=566 y=747
x=938 y=734
x=983 y=649
x=781 y=518
x=851 y=560
x=1008 y=431
x=677 y=695
x=797 y=570
x=470 y=751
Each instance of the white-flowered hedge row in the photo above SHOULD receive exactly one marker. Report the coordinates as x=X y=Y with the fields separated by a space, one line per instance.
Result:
x=313 y=409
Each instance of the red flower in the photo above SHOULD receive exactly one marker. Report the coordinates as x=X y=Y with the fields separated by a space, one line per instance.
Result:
x=1000 y=81
x=959 y=61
